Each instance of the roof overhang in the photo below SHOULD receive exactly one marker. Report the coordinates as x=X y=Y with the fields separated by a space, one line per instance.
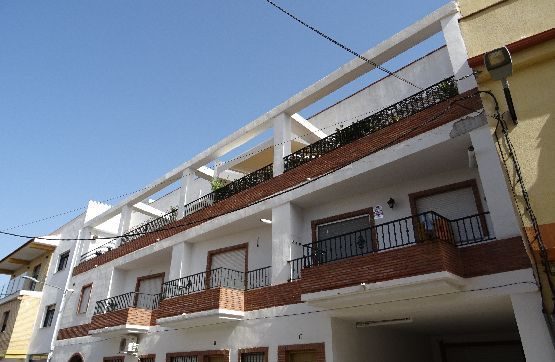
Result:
x=25 y=254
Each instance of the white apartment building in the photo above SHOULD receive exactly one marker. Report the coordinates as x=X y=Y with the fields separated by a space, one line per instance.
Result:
x=379 y=229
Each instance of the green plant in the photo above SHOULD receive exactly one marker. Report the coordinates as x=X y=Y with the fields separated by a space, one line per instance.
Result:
x=217 y=183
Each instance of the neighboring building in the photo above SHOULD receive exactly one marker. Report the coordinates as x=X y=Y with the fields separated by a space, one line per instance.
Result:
x=375 y=230
x=20 y=297
x=527 y=28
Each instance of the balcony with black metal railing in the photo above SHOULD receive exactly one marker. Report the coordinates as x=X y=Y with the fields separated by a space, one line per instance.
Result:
x=219 y=288
x=135 y=309
x=409 y=231
x=388 y=116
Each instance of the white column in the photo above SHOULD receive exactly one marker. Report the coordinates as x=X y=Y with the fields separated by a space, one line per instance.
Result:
x=532 y=327
x=282 y=141
x=286 y=227
x=180 y=263
x=125 y=219
x=457 y=52
x=185 y=193
x=502 y=212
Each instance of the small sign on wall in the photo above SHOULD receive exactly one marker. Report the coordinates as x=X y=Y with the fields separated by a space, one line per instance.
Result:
x=378 y=212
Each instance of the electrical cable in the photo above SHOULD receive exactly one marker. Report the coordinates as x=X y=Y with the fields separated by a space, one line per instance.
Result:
x=341 y=45
x=408 y=299
x=352 y=119
x=138 y=233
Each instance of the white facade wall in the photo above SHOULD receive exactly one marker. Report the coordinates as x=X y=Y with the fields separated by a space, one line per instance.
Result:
x=423 y=72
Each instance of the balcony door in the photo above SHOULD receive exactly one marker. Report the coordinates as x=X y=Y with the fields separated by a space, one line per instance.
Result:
x=148 y=288
x=343 y=238
x=228 y=268
x=455 y=202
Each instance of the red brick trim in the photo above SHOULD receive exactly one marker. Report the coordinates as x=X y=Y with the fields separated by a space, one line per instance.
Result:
x=216 y=298
x=518 y=46
x=81 y=297
x=318 y=348
x=74 y=332
x=253 y=350
x=403 y=130
x=202 y=355
x=273 y=296
x=136 y=316
x=147 y=356
x=348 y=215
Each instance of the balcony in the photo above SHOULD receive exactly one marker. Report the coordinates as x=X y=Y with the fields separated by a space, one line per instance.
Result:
x=215 y=295
x=388 y=116
x=409 y=231
x=126 y=313
x=16 y=285
x=429 y=248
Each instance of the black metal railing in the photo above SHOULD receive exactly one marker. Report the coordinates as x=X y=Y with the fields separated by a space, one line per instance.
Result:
x=428 y=97
x=215 y=278
x=259 y=278
x=134 y=233
x=403 y=232
x=219 y=277
x=127 y=300
x=246 y=182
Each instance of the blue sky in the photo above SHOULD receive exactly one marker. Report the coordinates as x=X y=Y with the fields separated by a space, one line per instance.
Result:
x=99 y=98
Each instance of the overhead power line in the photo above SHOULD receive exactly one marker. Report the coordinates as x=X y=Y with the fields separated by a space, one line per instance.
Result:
x=341 y=45
x=197 y=222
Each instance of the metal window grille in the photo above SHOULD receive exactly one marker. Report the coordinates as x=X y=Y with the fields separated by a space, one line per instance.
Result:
x=49 y=316
x=252 y=357
x=184 y=359
x=146 y=359
x=62 y=261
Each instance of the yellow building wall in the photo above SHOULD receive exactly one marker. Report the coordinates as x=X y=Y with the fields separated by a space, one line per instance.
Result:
x=23 y=327
x=489 y=24
x=44 y=261
x=13 y=307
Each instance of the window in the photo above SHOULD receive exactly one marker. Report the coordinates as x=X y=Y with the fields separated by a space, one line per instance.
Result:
x=5 y=321
x=84 y=299
x=147 y=358
x=62 y=261
x=49 y=316
x=253 y=357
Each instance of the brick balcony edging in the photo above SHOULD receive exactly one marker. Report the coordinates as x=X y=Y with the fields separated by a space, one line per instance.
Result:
x=216 y=298
x=335 y=159
x=491 y=257
x=134 y=316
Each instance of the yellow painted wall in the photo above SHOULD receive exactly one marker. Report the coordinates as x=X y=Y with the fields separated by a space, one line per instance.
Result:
x=23 y=327
x=44 y=261
x=489 y=24
x=13 y=307
x=486 y=28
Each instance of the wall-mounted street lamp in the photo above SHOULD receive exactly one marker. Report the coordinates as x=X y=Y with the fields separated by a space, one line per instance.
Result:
x=391 y=203
x=500 y=65
x=59 y=317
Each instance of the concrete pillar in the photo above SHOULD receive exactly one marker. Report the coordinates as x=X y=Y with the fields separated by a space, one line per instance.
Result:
x=533 y=330
x=125 y=219
x=502 y=212
x=457 y=52
x=185 y=193
x=181 y=261
x=83 y=245
x=282 y=141
x=286 y=227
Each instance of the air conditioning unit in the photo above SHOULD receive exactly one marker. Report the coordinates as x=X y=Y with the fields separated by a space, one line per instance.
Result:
x=129 y=345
